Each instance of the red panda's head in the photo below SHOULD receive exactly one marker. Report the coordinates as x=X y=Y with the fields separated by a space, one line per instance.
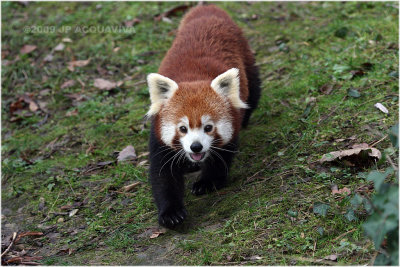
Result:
x=196 y=116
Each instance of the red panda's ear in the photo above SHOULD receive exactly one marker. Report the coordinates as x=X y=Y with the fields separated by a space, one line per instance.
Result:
x=227 y=84
x=161 y=89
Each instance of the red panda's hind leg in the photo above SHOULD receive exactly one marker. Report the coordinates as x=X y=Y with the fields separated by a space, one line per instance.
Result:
x=254 y=84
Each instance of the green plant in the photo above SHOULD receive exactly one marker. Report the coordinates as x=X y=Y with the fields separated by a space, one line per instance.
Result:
x=383 y=207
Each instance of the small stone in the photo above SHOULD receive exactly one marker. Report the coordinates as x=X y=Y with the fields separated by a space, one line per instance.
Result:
x=42 y=203
x=20 y=247
x=6 y=211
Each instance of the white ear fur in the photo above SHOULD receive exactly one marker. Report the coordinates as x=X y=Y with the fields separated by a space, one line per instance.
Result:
x=228 y=85
x=161 y=89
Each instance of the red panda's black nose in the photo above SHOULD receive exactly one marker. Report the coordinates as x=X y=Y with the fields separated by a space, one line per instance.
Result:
x=196 y=147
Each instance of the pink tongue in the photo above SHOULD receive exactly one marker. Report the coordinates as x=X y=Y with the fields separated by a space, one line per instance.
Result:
x=197 y=156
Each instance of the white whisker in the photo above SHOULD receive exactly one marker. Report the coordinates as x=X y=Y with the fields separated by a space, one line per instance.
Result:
x=223 y=161
x=159 y=174
x=181 y=157
x=167 y=155
x=172 y=163
x=232 y=151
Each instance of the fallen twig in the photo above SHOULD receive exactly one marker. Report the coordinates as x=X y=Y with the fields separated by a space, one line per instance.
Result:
x=251 y=178
x=331 y=112
x=312 y=260
x=11 y=244
x=30 y=263
x=59 y=213
x=374 y=257
x=377 y=142
x=130 y=187
x=52 y=206
x=391 y=162
x=25 y=260
x=28 y=234
x=139 y=83
x=342 y=235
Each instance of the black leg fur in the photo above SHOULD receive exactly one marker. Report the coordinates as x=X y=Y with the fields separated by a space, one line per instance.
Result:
x=254 y=84
x=167 y=183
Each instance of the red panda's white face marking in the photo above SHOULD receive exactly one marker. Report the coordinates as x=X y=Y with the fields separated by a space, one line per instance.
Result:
x=196 y=141
x=196 y=116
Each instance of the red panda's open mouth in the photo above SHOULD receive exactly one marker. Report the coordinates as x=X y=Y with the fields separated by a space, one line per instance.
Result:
x=197 y=156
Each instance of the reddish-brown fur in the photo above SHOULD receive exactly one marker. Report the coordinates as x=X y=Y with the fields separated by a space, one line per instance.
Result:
x=207 y=44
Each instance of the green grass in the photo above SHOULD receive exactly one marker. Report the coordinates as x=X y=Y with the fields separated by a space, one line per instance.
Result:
x=300 y=47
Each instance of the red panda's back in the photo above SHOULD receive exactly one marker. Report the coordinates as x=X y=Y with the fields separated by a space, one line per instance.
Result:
x=207 y=44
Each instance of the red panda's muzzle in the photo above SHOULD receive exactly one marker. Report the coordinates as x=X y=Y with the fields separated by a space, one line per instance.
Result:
x=197 y=156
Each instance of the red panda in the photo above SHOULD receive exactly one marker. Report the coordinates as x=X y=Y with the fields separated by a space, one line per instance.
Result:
x=205 y=90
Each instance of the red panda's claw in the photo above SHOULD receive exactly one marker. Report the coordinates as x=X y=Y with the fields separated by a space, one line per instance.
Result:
x=172 y=218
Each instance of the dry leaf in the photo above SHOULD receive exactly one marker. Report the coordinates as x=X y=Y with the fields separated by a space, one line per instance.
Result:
x=342 y=191
x=48 y=58
x=345 y=190
x=103 y=84
x=76 y=97
x=167 y=20
x=132 y=22
x=33 y=106
x=354 y=152
x=67 y=84
x=381 y=108
x=66 y=207
x=77 y=63
x=128 y=153
x=158 y=232
x=26 y=49
x=66 y=40
x=73 y=112
x=17 y=105
x=332 y=257
x=172 y=12
x=142 y=163
x=23 y=102
x=343 y=139
x=4 y=54
x=101 y=71
x=59 y=47
x=73 y=212
x=326 y=89
x=68 y=251
x=27 y=234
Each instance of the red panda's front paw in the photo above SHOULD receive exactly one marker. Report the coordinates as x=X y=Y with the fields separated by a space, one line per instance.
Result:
x=205 y=186
x=172 y=217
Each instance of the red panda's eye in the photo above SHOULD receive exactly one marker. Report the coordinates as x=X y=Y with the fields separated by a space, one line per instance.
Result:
x=183 y=129
x=208 y=128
